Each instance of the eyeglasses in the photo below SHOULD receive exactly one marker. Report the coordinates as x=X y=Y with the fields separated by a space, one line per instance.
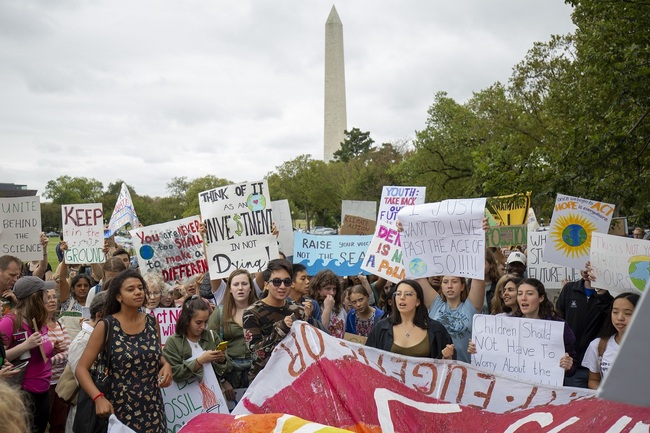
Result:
x=407 y=294
x=277 y=282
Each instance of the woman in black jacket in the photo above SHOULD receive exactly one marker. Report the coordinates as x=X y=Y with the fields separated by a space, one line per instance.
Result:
x=408 y=330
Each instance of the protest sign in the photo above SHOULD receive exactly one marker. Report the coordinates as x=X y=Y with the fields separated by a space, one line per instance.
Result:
x=185 y=400
x=342 y=254
x=509 y=209
x=83 y=231
x=574 y=220
x=123 y=213
x=551 y=275
x=173 y=249
x=239 y=222
x=620 y=264
x=354 y=225
x=533 y=225
x=167 y=318
x=366 y=389
x=284 y=223
x=444 y=238
x=618 y=227
x=526 y=349
x=394 y=198
x=20 y=233
x=384 y=257
x=506 y=236
x=360 y=208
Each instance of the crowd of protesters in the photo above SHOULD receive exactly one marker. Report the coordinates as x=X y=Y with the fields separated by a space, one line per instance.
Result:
x=56 y=323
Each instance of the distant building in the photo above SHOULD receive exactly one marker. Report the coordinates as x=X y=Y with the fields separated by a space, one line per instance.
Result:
x=13 y=190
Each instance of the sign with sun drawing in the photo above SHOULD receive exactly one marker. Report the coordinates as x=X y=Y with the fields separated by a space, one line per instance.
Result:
x=574 y=220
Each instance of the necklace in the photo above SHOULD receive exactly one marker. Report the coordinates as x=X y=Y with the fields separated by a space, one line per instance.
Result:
x=408 y=334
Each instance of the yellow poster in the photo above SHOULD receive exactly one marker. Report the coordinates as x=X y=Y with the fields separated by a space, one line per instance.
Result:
x=510 y=209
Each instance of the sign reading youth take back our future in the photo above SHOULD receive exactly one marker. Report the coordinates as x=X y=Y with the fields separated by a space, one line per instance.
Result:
x=394 y=198
x=444 y=238
x=238 y=219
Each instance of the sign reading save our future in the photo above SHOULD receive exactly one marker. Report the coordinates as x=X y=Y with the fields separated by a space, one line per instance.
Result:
x=527 y=349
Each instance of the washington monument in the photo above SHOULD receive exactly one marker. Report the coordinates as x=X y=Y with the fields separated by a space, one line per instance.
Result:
x=335 y=113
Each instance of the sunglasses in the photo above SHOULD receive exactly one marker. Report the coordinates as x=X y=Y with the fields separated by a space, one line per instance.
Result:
x=277 y=282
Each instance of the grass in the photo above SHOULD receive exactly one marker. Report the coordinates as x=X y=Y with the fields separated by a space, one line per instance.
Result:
x=51 y=253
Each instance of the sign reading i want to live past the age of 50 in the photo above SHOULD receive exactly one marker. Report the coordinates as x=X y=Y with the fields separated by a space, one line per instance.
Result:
x=444 y=238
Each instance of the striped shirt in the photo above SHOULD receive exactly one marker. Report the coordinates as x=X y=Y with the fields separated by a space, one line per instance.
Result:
x=61 y=342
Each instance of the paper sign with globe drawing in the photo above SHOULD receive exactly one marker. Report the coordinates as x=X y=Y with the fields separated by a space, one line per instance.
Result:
x=173 y=249
x=238 y=219
x=444 y=238
x=620 y=264
x=574 y=220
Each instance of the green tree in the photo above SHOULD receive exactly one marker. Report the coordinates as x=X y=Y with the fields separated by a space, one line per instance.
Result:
x=356 y=143
x=197 y=186
x=73 y=190
x=51 y=217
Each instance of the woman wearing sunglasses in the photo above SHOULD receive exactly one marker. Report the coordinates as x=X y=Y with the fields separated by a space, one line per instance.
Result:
x=408 y=330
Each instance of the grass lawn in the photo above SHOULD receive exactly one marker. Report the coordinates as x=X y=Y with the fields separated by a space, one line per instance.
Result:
x=51 y=253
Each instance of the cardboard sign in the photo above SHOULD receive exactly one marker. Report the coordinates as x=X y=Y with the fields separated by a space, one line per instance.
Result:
x=384 y=257
x=239 y=221
x=444 y=238
x=394 y=198
x=526 y=349
x=123 y=213
x=354 y=225
x=20 y=232
x=354 y=338
x=341 y=254
x=574 y=220
x=173 y=249
x=509 y=209
x=620 y=264
x=506 y=236
x=284 y=223
x=551 y=275
x=361 y=208
x=83 y=231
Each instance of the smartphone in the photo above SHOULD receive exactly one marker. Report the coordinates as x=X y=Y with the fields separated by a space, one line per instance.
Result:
x=19 y=366
x=20 y=337
x=222 y=346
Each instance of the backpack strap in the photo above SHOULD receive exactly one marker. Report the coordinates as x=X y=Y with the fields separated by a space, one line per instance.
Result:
x=221 y=322
x=602 y=346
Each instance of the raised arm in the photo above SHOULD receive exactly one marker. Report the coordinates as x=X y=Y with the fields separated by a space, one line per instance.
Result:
x=477 y=294
x=64 y=284
x=430 y=293
x=41 y=269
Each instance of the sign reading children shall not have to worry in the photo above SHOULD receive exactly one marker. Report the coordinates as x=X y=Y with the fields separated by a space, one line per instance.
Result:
x=444 y=238
x=238 y=219
x=527 y=349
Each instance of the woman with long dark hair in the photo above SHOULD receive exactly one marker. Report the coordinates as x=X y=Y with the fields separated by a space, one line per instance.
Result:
x=408 y=330
x=137 y=369
x=602 y=351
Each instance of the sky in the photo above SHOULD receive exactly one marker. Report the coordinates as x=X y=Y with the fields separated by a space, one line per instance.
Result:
x=145 y=91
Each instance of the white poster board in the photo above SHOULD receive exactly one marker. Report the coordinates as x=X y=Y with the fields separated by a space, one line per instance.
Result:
x=83 y=231
x=384 y=255
x=525 y=349
x=620 y=264
x=123 y=213
x=574 y=220
x=173 y=249
x=551 y=275
x=284 y=223
x=20 y=232
x=361 y=208
x=394 y=198
x=444 y=238
x=239 y=222
x=185 y=400
x=167 y=318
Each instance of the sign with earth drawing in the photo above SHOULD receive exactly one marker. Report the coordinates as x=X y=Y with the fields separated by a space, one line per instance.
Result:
x=620 y=264
x=574 y=220
x=239 y=220
x=444 y=238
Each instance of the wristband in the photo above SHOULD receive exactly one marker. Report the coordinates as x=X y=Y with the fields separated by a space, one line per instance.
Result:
x=101 y=394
